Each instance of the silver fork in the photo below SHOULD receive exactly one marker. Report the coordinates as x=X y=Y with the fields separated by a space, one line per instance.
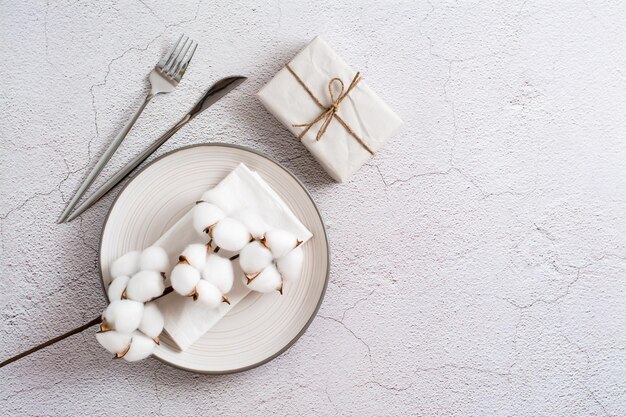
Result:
x=164 y=78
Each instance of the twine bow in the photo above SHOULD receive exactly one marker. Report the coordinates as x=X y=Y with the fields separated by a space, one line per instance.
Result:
x=329 y=113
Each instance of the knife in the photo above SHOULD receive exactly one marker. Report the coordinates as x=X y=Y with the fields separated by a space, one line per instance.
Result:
x=216 y=92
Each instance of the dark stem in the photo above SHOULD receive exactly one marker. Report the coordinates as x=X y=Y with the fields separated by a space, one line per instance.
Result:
x=93 y=322
x=165 y=292
x=85 y=326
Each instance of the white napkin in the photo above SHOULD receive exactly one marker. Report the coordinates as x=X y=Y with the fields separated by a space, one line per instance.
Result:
x=370 y=118
x=185 y=320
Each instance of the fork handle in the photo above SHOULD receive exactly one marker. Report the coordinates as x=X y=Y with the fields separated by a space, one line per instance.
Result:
x=128 y=168
x=106 y=157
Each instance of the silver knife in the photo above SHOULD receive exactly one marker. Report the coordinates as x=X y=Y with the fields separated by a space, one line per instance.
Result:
x=216 y=92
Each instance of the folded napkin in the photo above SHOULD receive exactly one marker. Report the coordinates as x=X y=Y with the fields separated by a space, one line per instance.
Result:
x=185 y=320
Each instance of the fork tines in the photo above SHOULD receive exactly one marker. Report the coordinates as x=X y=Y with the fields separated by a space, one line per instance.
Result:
x=175 y=62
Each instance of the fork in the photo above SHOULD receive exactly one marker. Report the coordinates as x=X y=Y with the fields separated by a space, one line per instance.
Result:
x=164 y=78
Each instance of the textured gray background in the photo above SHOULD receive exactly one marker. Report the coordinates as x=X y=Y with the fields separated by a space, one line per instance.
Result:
x=479 y=260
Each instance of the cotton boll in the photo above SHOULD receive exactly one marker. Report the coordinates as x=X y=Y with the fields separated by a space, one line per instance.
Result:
x=210 y=196
x=114 y=341
x=117 y=287
x=127 y=265
x=152 y=321
x=208 y=294
x=184 y=278
x=267 y=281
x=141 y=346
x=280 y=242
x=219 y=272
x=123 y=316
x=230 y=234
x=254 y=257
x=253 y=222
x=144 y=286
x=196 y=254
x=226 y=201
x=154 y=258
x=290 y=265
x=205 y=215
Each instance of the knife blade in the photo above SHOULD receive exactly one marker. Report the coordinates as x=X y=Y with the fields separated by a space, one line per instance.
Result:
x=216 y=92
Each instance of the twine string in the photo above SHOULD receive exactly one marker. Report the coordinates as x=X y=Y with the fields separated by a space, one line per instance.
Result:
x=329 y=113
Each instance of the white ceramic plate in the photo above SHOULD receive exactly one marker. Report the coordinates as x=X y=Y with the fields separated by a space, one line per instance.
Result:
x=258 y=328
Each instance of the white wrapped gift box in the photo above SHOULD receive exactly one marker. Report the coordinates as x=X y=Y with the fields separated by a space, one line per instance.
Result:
x=299 y=93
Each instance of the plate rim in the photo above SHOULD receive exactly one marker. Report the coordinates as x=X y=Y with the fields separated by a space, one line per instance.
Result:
x=319 y=214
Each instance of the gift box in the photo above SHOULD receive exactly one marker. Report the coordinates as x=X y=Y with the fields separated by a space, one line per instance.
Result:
x=326 y=104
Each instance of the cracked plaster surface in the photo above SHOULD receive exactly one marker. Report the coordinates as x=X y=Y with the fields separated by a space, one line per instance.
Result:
x=479 y=260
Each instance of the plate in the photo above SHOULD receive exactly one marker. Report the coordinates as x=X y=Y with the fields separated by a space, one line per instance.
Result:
x=261 y=326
